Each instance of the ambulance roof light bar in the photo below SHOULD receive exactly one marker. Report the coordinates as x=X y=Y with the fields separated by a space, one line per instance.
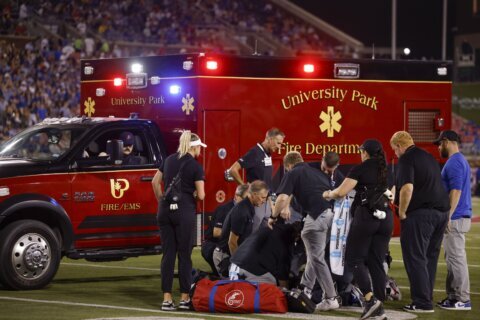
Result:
x=346 y=70
x=88 y=70
x=212 y=65
x=175 y=89
x=117 y=82
x=137 y=68
x=308 y=68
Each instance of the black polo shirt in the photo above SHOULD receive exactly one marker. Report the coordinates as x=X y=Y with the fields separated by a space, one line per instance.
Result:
x=366 y=175
x=239 y=221
x=267 y=251
x=218 y=218
x=258 y=165
x=335 y=180
x=307 y=184
x=418 y=167
x=192 y=171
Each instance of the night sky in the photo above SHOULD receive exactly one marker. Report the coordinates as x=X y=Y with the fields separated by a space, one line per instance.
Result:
x=419 y=22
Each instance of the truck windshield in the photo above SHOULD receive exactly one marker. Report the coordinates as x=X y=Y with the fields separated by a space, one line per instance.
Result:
x=41 y=144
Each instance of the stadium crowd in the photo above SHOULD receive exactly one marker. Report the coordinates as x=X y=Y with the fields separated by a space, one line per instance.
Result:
x=41 y=79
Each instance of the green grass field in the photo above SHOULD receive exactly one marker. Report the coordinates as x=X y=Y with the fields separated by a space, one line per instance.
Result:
x=131 y=288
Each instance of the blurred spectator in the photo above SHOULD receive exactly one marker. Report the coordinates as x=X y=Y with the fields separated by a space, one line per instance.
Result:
x=470 y=133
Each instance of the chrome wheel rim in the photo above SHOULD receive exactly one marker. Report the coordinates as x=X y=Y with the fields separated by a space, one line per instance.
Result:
x=31 y=256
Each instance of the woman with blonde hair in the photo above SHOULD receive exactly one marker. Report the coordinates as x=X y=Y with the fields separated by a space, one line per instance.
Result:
x=177 y=222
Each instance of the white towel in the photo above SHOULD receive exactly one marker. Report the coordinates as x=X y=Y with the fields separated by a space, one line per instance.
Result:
x=339 y=232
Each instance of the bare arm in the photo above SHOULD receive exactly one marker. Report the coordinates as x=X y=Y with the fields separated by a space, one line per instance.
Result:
x=235 y=172
x=217 y=232
x=233 y=243
x=347 y=185
x=454 y=196
x=281 y=208
x=281 y=203
x=157 y=184
x=405 y=196
x=200 y=189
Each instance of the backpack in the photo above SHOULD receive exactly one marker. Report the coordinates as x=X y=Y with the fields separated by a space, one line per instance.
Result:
x=298 y=301
x=173 y=193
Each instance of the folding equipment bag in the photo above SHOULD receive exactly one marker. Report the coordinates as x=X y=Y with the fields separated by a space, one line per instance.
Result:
x=238 y=296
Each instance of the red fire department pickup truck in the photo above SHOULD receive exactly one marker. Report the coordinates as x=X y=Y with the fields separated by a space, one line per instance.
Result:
x=65 y=191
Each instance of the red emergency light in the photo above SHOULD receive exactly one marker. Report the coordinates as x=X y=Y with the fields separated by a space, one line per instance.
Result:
x=117 y=82
x=308 y=68
x=212 y=65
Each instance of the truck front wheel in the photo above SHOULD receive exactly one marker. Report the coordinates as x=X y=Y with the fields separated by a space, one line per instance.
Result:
x=29 y=255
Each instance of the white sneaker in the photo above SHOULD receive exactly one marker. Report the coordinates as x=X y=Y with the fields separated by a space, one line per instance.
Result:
x=328 y=304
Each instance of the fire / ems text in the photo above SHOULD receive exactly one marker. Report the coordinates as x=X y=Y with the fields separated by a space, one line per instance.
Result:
x=119 y=206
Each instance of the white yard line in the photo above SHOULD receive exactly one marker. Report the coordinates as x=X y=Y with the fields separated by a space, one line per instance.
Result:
x=439 y=290
x=392 y=314
x=397 y=243
x=68 y=303
x=444 y=264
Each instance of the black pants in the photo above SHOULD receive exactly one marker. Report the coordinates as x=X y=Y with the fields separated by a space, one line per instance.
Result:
x=176 y=232
x=207 y=253
x=421 y=238
x=367 y=244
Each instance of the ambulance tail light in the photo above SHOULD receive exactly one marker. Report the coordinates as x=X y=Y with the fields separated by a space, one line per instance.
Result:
x=212 y=65
x=308 y=68
x=117 y=82
x=346 y=70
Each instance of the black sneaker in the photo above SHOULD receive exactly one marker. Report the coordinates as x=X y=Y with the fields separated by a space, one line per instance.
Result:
x=370 y=307
x=185 y=305
x=379 y=314
x=413 y=308
x=168 y=306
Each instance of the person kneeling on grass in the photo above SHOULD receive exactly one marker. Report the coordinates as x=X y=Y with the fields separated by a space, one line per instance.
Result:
x=265 y=256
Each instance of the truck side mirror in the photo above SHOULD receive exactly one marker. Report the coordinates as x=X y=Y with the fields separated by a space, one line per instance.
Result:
x=115 y=151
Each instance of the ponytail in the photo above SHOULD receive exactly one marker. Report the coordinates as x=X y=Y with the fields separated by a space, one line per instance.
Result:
x=382 y=168
x=184 y=143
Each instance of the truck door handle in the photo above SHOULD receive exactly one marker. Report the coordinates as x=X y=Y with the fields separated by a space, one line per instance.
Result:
x=146 y=178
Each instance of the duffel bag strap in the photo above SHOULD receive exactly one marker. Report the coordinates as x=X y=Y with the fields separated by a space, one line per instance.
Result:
x=256 y=298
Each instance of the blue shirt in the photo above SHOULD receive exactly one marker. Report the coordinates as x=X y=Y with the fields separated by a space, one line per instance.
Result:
x=456 y=176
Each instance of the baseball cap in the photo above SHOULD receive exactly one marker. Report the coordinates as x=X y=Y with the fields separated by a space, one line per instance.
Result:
x=449 y=135
x=371 y=146
x=127 y=138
